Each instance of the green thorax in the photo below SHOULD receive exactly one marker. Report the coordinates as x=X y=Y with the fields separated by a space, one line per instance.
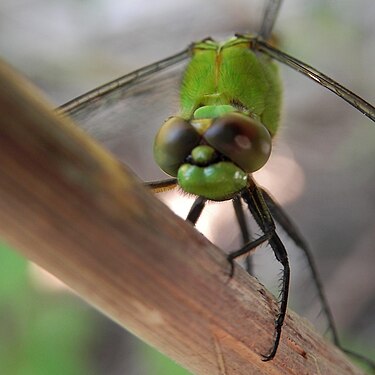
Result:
x=230 y=73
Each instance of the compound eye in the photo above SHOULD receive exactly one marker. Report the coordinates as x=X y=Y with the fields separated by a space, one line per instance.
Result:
x=245 y=141
x=173 y=143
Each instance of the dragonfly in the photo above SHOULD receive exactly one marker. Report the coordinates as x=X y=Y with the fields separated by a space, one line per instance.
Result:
x=230 y=103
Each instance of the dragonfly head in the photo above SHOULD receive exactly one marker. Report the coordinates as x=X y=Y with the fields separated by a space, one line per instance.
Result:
x=212 y=157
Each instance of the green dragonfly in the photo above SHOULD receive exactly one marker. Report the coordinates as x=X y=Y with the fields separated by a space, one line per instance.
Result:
x=230 y=103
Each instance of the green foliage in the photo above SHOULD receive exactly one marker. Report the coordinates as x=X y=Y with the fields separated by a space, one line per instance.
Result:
x=159 y=364
x=40 y=333
x=49 y=333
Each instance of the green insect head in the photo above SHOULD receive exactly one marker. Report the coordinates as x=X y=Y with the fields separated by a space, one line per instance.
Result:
x=212 y=153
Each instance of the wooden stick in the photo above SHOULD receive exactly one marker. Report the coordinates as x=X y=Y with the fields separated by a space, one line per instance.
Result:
x=69 y=206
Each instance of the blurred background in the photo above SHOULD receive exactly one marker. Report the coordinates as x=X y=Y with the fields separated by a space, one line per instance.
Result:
x=321 y=171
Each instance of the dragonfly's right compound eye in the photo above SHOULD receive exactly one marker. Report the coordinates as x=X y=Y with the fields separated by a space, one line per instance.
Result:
x=243 y=140
x=173 y=143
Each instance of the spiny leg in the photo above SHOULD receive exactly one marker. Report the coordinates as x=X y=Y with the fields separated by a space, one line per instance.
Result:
x=262 y=216
x=196 y=210
x=162 y=185
x=246 y=237
x=291 y=230
x=258 y=208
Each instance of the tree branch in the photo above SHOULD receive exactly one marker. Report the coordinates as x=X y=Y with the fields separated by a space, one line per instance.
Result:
x=69 y=206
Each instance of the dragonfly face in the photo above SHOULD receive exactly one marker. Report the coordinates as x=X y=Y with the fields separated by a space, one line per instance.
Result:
x=211 y=157
x=226 y=123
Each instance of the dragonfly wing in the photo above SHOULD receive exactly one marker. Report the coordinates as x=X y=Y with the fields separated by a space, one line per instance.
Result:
x=353 y=99
x=124 y=118
x=269 y=18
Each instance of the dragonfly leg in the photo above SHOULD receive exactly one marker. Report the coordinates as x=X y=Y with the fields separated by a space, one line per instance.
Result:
x=258 y=208
x=163 y=185
x=196 y=210
x=291 y=230
x=245 y=232
x=248 y=248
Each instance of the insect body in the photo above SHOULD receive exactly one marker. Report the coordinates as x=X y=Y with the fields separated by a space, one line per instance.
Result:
x=230 y=101
x=230 y=107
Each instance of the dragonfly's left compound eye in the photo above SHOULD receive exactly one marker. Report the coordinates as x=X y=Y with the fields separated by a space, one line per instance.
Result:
x=245 y=141
x=173 y=143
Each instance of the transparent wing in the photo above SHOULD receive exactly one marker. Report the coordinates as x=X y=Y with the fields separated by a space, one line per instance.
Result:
x=353 y=99
x=269 y=18
x=125 y=114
